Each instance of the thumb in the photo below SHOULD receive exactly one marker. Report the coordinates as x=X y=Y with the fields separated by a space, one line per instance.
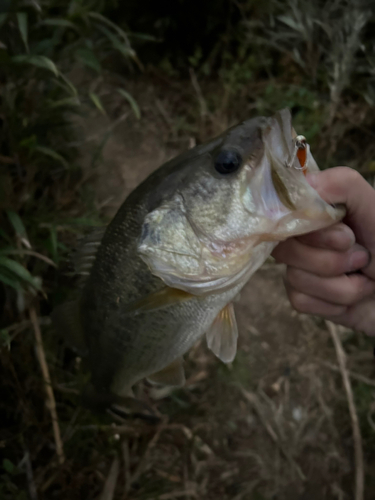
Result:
x=343 y=185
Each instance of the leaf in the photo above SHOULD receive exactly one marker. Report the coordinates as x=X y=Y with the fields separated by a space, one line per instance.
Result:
x=40 y=61
x=95 y=99
x=5 y=341
x=8 y=466
x=114 y=26
x=17 y=224
x=62 y=23
x=141 y=36
x=69 y=85
x=68 y=101
x=28 y=142
x=3 y=18
x=88 y=58
x=131 y=101
x=53 y=154
x=10 y=281
x=291 y=23
x=5 y=236
x=22 y=25
x=53 y=240
x=18 y=270
x=125 y=49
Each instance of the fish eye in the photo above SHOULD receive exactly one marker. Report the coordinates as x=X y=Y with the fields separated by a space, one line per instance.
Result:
x=227 y=162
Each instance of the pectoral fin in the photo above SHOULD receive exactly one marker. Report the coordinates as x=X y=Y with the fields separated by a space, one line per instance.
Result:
x=172 y=374
x=160 y=299
x=222 y=336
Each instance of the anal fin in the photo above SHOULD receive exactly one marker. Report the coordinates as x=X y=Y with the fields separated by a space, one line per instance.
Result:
x=222 y=335
x=172 y=374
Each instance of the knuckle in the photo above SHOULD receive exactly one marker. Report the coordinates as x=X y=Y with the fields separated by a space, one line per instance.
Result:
x=293 y=276
x=357 y=287
x=298 y=300
x=351 y=175
x=332 y=264
x=352 y=295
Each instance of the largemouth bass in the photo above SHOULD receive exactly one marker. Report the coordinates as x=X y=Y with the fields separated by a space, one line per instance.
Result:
x=180 y=249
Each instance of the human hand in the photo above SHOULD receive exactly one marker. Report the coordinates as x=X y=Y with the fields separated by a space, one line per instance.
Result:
x=321 y=277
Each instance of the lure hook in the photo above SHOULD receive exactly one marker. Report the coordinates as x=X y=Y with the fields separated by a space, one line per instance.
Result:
x=299 y=151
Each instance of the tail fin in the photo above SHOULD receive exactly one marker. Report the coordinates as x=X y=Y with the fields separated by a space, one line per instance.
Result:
x=125 y=407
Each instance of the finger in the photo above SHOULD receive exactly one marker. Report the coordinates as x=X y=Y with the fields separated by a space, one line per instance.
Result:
x=345 y=185
x=337 y=237
x=320 y=261
x=343 y=290
x=361 y=316
x=306 y=304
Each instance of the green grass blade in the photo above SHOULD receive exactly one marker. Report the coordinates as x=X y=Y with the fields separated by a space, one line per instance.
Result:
x=18 y=270
x=17 y=224
x=68 y=84
x=114 y=26
x=117 y=44
x=53 y=154
x=22 y=25
x=131 y=101
x=4 y=235
x=53 y=240
x=95 y=99
x=67 y=102
x=3 y=19
x=9 y=281
x=88 y=58
x=39 y=61
x=61 y=23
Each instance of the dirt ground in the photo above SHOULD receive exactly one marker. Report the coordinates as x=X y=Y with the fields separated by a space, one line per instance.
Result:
x=273 y=425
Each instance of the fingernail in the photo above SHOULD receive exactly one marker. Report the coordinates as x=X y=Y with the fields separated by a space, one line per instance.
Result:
x=359 y=259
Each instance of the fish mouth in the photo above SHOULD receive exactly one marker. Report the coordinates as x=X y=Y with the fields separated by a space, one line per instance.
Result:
x=285 y=202
x=278 y=186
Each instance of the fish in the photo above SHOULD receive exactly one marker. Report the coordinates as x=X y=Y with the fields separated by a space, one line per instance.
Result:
x=166 y=270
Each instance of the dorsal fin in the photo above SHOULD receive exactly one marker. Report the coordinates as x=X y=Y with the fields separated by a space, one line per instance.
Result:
x=84 y=255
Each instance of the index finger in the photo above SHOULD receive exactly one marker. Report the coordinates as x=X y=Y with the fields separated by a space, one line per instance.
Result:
x=337 y=237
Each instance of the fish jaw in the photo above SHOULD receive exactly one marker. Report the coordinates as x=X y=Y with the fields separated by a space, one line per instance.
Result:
x=285 y=202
